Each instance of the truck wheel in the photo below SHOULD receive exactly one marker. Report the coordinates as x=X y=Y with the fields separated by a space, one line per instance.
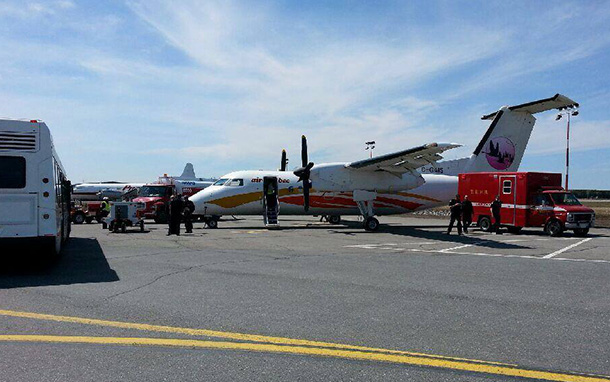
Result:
x=485 y=223
x=212 y=223
x=514 y=230
x=371 y=224
x=334 y=219
x=79 y=218
x=581 y=231
x=554 y=228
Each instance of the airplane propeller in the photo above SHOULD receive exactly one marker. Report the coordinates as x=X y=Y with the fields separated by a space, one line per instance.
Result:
x=284 y=161
x=304 y=172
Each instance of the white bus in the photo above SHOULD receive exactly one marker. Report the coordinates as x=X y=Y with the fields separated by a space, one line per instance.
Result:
x=34 y=190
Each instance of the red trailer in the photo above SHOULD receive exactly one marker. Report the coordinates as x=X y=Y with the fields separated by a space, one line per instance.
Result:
x=529 y=199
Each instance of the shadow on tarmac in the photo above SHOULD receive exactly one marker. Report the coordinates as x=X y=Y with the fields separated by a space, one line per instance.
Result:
x=82 y=261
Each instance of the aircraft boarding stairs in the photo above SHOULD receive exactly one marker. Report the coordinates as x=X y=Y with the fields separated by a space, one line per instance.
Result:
x=271 y=203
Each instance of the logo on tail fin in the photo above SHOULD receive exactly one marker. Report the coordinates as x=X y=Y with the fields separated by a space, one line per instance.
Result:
x=500 y=153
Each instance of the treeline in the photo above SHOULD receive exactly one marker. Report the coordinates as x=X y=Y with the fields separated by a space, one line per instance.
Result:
x=591 y=194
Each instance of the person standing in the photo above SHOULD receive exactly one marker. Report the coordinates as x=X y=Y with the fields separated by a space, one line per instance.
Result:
x=455 y=206
x=104 y=209
x=496 y=207
x=176 y=206
x=467 y=212
x=189 y=208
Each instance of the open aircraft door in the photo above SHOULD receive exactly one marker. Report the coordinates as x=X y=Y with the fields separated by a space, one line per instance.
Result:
x=271 y=204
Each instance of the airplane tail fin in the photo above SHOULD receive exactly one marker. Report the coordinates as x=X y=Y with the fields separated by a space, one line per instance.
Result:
x=188 y=173
x=504 y=143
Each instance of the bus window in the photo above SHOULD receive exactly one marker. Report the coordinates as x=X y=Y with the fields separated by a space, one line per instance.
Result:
x=235 y=183
x=12 y=172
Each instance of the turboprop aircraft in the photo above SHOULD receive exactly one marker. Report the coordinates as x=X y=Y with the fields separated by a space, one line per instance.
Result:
x=400 y=182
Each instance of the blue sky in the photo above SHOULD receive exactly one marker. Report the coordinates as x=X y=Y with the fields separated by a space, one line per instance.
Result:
x=135 y=89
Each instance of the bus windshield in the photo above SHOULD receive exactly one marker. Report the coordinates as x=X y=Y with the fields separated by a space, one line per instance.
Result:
x=12 y=172
x=153 y=191
x=565 y=199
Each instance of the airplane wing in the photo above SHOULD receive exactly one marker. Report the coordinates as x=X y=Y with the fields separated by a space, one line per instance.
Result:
x=404 y=161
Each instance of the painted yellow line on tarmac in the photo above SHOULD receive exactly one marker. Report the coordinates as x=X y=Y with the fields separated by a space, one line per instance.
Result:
x=301 y=350
x=228 y=335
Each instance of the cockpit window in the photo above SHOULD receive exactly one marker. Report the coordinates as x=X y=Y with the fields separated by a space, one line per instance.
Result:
x=235 y=183
x=220 y=182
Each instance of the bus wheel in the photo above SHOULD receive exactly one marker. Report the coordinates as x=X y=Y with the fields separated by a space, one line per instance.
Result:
x=581 y=231
x=485 y=223
x=334 y=219
x=554 y=228
x=79 y=218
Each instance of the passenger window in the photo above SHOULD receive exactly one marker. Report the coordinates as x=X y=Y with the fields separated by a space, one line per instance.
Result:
x=507 y=186
x=235 y=183
x=542 y=200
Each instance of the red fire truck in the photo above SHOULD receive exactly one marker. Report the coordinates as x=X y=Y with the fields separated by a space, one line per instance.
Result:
x=156 y=196
x=529 y=199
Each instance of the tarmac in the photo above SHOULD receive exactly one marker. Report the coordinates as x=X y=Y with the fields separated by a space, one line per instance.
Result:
x=310 y=301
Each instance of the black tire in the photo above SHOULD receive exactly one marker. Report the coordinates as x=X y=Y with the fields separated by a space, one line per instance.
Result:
x=212 y=223
x=581 y=231
x=554 y=228
x=334 y=219
x=513 y=229
x=371 y=224
x=485 y=223
x=79 y=218
x=161 y=217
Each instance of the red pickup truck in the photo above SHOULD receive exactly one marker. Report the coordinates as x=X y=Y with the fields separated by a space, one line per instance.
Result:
x=529 y=199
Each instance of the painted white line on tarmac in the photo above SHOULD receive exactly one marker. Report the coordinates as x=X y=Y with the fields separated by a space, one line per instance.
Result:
x=509 y=256
x=454 y=248
x=562 y=250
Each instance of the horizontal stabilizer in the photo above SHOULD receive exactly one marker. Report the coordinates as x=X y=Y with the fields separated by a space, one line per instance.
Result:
x=558 y=101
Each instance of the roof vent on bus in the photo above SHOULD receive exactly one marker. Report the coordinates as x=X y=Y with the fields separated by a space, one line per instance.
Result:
x=17 y=141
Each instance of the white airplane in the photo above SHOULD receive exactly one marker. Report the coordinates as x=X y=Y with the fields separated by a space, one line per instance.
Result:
x=396 y=183
x=91 y=190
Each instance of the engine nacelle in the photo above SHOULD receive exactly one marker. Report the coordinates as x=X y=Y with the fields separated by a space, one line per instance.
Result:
x=335 y=177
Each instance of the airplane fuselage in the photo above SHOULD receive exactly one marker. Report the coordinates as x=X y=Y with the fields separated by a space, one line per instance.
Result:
x=395 y=195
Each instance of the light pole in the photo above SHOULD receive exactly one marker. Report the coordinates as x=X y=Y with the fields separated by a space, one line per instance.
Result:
x=569 y=111
x=370 y=145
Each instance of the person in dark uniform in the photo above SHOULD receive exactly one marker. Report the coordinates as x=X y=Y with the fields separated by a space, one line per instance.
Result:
x=189 y=208
x=496 y=206
x=176 y=206
x=466 y=213
x=455 y=206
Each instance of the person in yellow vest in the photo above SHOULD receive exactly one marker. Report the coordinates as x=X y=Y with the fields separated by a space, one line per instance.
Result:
x=104 y=208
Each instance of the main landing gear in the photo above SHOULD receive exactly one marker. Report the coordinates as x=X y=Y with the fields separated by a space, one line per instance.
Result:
x=364 y=200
